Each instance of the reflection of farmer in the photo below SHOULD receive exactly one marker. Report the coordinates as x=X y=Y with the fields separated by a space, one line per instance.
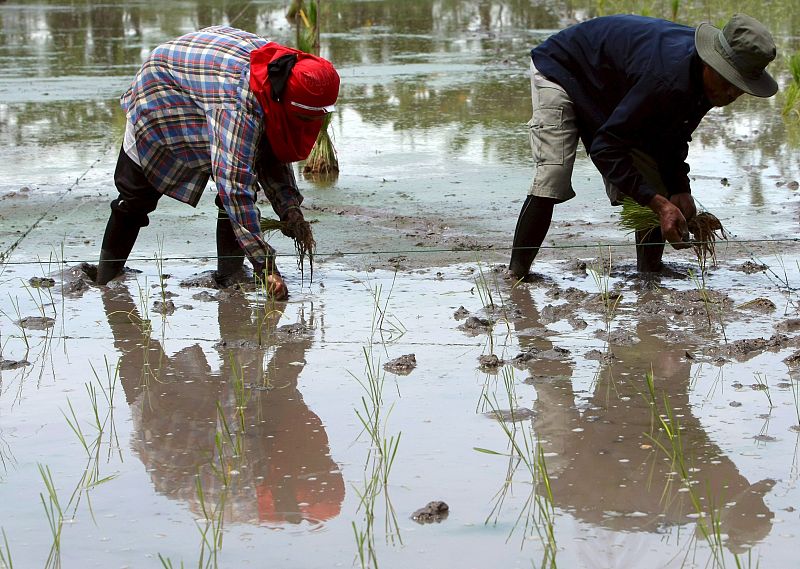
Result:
x=225 y=104
x=286 y=473
x=607 y=472
x=633 y=89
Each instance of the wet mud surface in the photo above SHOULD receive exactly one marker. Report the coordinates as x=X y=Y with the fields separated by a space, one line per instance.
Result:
x=619 y=414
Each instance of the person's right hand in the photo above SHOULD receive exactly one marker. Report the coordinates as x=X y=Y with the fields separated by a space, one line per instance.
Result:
x=673 y=224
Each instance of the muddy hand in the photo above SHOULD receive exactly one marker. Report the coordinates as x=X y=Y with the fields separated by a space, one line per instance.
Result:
x=275 y=285
x=673 y=224
x=685 y=203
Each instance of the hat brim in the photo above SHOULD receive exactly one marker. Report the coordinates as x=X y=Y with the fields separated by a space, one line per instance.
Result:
x=705 y=40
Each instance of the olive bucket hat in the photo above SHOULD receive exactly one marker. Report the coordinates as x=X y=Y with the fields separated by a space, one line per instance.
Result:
x=739 y=52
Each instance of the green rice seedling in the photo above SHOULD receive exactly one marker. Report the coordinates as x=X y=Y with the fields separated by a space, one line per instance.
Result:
x=524 y=450
x=210 y=527
x=162 y=277
x=18 y=321
x=709 y=517
x=708 y=303
x=761 y=382
x=240 y=391
x=5 y=554
x=378 y=465
x=166 y=562
x=601 y=273
x=796 y=399
x=791 y=94
x=385 y=326
x=55 y=517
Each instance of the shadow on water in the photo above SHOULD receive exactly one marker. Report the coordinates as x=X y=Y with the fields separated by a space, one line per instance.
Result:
x=286 y=474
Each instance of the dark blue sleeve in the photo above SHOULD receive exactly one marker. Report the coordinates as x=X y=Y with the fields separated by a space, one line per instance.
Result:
x=644 y=112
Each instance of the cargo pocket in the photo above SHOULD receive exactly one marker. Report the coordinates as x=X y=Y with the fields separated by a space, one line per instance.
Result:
x=546 y=136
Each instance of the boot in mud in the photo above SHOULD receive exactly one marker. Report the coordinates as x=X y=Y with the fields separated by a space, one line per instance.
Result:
x=649 y=250
x=121 y=233
x=230 y=256
x=532 y=225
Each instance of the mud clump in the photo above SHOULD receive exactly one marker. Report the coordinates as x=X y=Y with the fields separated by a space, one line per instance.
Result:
x=433 y=512
x=476 y=325
x=511 y=415
x=597 y=355
x=749 y=267
x=37 y=322
x=42 y=282
x=789 y=325
x=461 y=313
x=759 y=304
x=13 y=364
x=620 y=337
x=489 y=362
x=402 y=365
x=166 y=307
x=749 y=347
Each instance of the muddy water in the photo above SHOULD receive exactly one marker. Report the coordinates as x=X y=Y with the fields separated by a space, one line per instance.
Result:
x=243 y=420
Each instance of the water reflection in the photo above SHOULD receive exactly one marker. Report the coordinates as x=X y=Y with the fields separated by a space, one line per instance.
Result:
x=608 y=473
x=417 y=65
x=285 y=474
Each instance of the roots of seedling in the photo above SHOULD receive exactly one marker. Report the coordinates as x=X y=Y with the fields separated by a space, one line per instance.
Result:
x=301 y=234
x=705 y=228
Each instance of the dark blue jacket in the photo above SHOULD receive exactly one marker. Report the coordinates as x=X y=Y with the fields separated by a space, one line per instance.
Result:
x=636 y=83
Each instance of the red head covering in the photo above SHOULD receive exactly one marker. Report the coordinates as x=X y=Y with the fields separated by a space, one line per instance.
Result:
x=310 y=86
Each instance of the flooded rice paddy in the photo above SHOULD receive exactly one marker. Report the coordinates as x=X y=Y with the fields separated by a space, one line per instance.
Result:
x=409 y=407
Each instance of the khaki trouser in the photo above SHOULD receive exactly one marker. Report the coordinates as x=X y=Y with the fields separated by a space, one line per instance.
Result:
x=553 y=134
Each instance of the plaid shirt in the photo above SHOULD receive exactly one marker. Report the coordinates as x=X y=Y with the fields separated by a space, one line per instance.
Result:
x=194 y=117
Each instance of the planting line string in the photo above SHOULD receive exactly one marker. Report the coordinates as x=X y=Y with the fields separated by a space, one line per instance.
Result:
x=755 y=258
x=462 y=251
x=5 y=254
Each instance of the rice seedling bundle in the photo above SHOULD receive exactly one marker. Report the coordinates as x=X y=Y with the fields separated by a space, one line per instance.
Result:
x=705 y=227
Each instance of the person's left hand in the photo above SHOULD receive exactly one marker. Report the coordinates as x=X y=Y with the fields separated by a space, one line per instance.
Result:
x=685 y=203
x=298 y=229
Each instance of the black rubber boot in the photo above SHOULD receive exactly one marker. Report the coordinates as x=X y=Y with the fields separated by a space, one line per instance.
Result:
x=532 y=225
x=121 y=233
x=649 y=250
x=230 y=256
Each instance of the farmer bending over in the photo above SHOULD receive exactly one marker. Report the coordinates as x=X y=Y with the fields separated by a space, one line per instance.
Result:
x=224 y=104
x=633 y=89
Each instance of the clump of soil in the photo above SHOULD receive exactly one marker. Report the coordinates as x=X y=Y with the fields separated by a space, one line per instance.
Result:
x=37 y=322
x=461 y=313
x=42 y=282
x=749 y=347
x=402 y=365
x=597 y=355
x=749 y=267
x=476 y=325
x=789 y=325
x=12 y=364
x=553 y=313
x=511 y=415
x=164 y=307
x=433 y=512
x=489 y=362
x=619 y=337
x=759 y=304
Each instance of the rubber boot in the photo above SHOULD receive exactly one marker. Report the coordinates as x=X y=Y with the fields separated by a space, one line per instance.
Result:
x=649 y=250
x=532 y=225
x=230 y=256
x=121 y=233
